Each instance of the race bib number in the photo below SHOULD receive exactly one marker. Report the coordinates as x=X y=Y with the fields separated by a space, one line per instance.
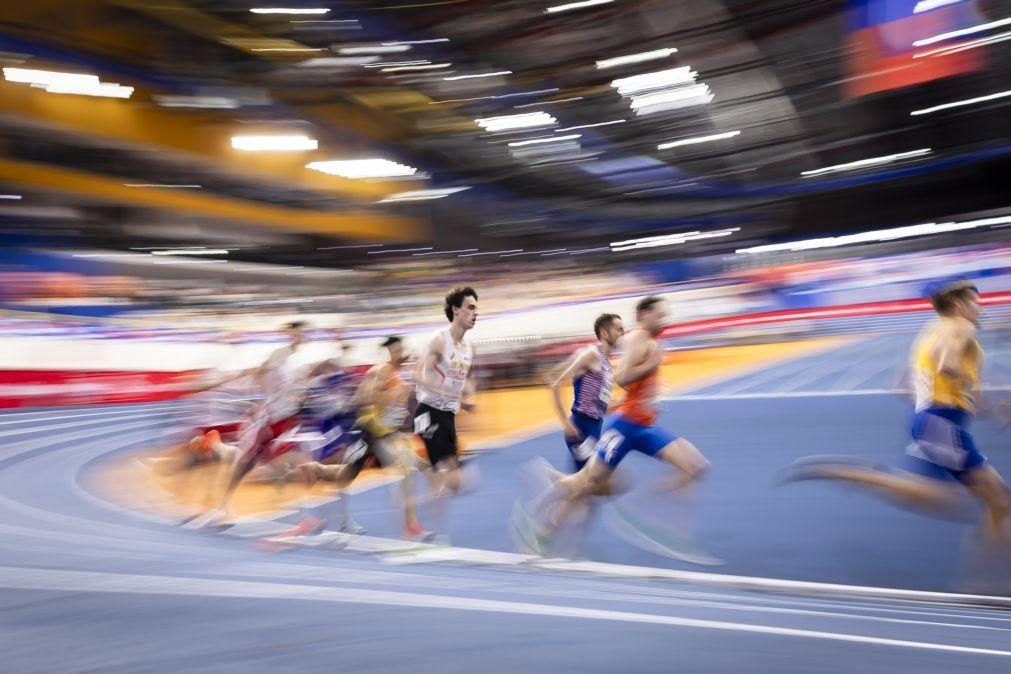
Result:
x=585 y=449
x=609 y=444
x=355 y=451
x=422 y=422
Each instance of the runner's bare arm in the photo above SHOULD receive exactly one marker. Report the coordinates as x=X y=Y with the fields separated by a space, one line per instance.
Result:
x=637 y=362
x=575 y=366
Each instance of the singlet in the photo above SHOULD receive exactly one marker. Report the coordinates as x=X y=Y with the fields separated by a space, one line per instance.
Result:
x=451 y=371
x=592 y=389
x=280 y=382
x=936 y=389
x=642 y=400
x=383 y=418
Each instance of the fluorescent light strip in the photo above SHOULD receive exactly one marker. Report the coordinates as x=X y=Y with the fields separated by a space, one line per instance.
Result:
x=287 y=143
x=196 y=251
x=559 y=100
x=576 y=5
x=521 y=121
x=212 y=102
x=357 y=245
x=289 y=10
x=964 y=46
x=964 y=31
x=432 y=66
x=549 y=139
x=679 y=97
x=398 y=250
x=671 y=77
x=400 y=42
x=927 y=5
x=374 y=49
x=958 y=104
x=670 y=239
x=11 y=197
x=445 y=252
x=48 y=77
x=384 y=64
x=287 y=49
x=492 y=252
x=421 y=195
x=590 y=126
x=697 y=139
x=470 y=77
x=873 y=161
x=635 y=58
x=877 y=235
x=103 y=89
x=362 y=168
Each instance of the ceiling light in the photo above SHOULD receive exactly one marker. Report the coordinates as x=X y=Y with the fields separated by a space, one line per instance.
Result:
x=438 y=39
x=374 y=49
x=590 y=126
x=102 y=89
x=575 y=5
x=669 y=239
x=557 y=100
x=697 y=139
x=660 y=79
x=863 y=163
x=338 y=61
x=964 y=31
x=211 y=102
x=521 y=121
x=549 y=139
x=421 y=195
x=958 y=104
x=430 y=66
x=635 y=58
x=964 y=46
x=289 y=10
x=470 y=77
x=492 y=252
x=397 y=250
x=673 y=99
x=292 y=143
x=11 y=197
x=48 y=77
x=169 y=186
x=363 y=168
x=194 y=251
x=445 y=252
x=927 y=5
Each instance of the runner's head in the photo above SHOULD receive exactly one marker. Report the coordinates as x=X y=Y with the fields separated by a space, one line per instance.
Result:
x=651 y=313
x=395 y=345
x=461 y=307
x=296 y=333
x=608 y=328
x=958 y=299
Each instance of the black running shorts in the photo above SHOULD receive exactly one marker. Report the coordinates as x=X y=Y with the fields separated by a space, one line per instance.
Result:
x=437 y=428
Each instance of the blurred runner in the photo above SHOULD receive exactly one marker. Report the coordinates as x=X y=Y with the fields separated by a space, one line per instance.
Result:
x=633 y=428
x=946 y=360
x=444 y=384
x=589 y=369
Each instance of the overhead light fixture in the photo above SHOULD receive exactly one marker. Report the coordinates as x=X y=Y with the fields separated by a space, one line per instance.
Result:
x=964 y=46
x=492 y=252
x=635 y=58
x=398 y=250
x=55 y=82
x=590 y=126
x=547 y=139
x=429 y=66
x=576 y=5
x=192 y=251
x=374 y=49
x=477 y=75
x=927 y=5
x=11 y=197
x=522 y=121
x=670 y=239
x=209 y=102
x=864 y=163
x=964 y=31
x=363 y=168
x=421 y=195
x=660 y=79
x=432 y=41
x=289 y=10
x=557 y=100
x=286 y=49
x=338 y=61
x=958 y=104
x=376 y=63
x=672 y=99
x=284 y=143
x=877 y=235
x=445 y=252
x=167 y=186
x=697 y=139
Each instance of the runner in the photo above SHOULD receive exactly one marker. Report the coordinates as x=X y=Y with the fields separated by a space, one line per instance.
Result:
x=946 y=360
x=444 y=383
x=631 y=429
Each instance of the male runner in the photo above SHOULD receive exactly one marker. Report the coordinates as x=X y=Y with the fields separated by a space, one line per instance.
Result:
x=444 y=384
x=592 y=381
x=946 y=360
x=631 y=429
x=382 y=397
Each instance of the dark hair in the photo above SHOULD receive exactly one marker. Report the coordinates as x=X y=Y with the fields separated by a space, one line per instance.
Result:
x=603 y=322
x=647 y=303
x=390 y=341
x=295 y=325
x=944 y=298
x=455 y=299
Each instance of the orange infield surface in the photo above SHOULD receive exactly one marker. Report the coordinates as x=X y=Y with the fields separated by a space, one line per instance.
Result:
x=502 y=417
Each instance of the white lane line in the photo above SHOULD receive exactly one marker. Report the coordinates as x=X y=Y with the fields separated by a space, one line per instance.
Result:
x=42 y=430
x=57 y=415
x=93 y=582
